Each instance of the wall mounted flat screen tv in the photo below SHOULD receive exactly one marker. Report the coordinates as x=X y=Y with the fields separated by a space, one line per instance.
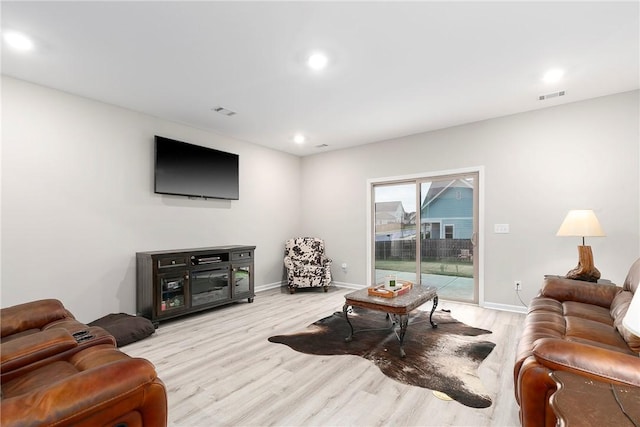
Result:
x=191 y=170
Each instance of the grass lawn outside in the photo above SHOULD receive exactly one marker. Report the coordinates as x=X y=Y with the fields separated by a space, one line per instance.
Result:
x=443 y=268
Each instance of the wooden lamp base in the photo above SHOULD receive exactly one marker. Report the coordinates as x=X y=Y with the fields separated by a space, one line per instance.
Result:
x=585 y=270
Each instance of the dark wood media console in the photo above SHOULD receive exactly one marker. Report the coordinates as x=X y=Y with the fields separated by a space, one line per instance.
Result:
x=178 y=282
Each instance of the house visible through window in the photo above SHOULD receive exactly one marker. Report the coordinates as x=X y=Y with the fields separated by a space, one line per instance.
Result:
x=448 y=231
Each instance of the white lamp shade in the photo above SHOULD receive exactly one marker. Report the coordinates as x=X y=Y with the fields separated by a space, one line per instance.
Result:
x=632 y=319
x=581 y=223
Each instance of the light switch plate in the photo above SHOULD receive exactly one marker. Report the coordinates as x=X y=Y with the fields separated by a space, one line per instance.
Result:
x=501 y=228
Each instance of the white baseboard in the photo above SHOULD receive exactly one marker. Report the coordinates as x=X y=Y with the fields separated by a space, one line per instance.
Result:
x=490 y=305
x=268 y=286
x=505 y=307
x=348 y=285
x=274 y=285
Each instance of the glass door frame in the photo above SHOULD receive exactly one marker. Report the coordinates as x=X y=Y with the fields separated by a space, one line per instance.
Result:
x=479 y=216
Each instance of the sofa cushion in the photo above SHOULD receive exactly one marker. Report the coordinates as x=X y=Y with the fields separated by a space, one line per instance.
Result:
x=71 y=325
x=547 y=321
x=29 y=349
x=562 y=289
x=38 y=378
x=587 y=311
x=616 y=348
x=547 y=305
x=592 y=330
x=20 y=334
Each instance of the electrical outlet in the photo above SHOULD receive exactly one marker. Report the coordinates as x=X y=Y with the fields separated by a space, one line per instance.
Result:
x=517 y=285
x=501 y=228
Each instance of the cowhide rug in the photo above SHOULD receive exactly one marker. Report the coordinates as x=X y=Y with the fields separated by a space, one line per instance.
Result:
x=445 y=359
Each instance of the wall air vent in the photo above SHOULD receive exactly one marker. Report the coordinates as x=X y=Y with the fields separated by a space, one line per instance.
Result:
x=224 y=111
x=321 y=146
x=551 y=95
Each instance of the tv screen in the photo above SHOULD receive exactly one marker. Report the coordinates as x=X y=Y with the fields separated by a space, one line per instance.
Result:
x=191 y=170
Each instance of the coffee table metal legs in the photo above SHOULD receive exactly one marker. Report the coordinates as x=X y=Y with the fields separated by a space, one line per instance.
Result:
x=403 y=321
x=404 y=324
x=345 y=310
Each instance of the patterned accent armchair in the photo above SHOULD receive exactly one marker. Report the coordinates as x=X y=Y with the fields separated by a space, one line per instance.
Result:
x=306 y=263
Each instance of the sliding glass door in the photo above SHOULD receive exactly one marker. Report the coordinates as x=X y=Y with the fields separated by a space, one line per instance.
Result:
x=395 y=231
x=425 y=231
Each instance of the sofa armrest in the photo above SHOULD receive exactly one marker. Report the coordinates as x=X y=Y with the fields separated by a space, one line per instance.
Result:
x=31 y=315
x=562 y=289
x=587 y=360
x=99 y=394
x=28 y=349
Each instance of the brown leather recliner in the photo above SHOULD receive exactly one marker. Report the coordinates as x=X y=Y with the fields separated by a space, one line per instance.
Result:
x=71 y=374
x=574 y=326
x=35 y=316
x=37 y=332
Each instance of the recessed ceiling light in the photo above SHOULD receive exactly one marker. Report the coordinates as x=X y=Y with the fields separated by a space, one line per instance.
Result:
x=317 y=61
x=553 y=76
x=18 y=41
x=299 y=138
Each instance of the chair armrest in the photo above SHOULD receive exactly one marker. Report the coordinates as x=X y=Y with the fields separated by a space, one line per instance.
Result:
x=31 y=315
x=588 y=360
x=562 y=289
x=28 y=349
x=288 y=262
x=112 y=389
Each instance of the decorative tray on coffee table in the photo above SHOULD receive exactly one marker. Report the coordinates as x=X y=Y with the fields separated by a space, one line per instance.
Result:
x=380 y=291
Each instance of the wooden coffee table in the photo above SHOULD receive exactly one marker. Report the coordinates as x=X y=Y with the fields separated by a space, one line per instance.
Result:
x=397 y=308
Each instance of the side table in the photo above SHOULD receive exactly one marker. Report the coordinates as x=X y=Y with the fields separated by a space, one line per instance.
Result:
x=583 y=402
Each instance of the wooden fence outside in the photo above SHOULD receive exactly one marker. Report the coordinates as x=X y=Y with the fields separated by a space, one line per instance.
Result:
x=431 y=249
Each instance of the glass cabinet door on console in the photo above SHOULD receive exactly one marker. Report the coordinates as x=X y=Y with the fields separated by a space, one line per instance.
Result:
x=173 y=291
x=241 y=279
x=209 y=286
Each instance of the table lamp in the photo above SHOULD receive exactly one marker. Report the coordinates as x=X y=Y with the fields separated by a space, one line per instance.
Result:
x=582 y=223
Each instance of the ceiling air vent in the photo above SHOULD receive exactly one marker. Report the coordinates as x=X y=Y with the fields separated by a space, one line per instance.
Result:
x=321 y=146
x=551 y=95
x=224 y=111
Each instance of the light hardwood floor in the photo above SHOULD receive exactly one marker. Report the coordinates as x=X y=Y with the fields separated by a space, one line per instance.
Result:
x=220 y=370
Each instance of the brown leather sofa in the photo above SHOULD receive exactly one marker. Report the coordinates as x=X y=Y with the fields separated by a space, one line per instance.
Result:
x=574 y=326
x=57 y=371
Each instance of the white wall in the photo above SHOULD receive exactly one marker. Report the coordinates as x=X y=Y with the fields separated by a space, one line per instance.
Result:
x=537 y=166
x=78 y=201
x=77 y=196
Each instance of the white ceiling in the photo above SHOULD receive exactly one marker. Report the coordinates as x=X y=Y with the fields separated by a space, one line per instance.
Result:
x=396 y=68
